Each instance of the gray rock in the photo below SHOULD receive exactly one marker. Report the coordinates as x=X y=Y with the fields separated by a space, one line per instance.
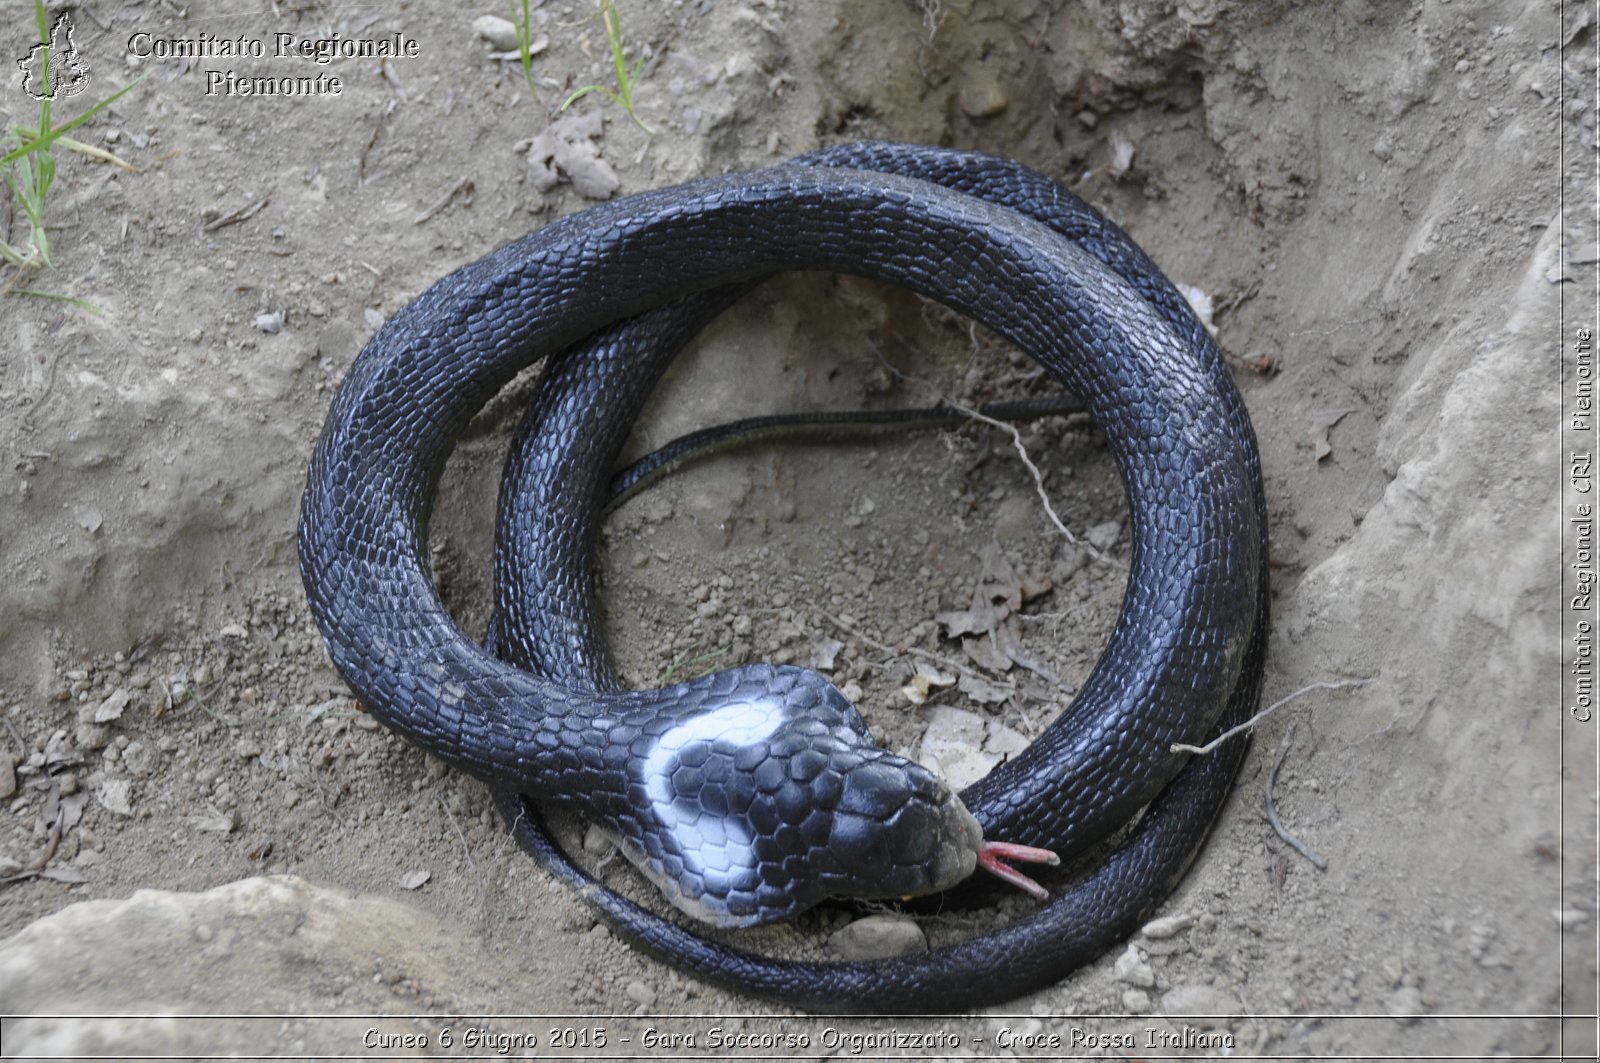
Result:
x=252 y=940
x=1136 y=1001
x=878 y=937
x=640 y=994
x=8 y=776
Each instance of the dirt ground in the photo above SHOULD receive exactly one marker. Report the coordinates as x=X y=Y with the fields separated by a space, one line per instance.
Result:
x=1370 y=194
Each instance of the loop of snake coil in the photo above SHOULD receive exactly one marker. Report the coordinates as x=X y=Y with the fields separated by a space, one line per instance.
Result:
x=985 y=236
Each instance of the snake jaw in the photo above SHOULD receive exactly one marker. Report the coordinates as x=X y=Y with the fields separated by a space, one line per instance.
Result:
x=992 y=857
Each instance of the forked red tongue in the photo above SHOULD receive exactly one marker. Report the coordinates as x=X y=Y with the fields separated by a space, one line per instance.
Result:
x=992 y=857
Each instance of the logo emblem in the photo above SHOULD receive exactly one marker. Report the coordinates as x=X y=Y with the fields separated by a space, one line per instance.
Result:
x=65 y=75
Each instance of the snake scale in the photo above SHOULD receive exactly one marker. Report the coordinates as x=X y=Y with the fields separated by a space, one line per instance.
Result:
x=751 y=793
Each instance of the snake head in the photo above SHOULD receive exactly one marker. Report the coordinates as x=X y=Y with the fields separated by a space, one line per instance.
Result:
x=771 y=796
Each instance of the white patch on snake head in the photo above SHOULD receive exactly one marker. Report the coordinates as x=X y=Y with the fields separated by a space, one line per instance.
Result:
x=715 y=847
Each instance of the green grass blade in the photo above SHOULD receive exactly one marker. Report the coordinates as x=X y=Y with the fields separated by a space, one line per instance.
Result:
x=81 y=304
x=48 y=135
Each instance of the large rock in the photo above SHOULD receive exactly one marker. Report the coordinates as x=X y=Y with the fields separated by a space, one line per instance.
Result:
x=260 y=945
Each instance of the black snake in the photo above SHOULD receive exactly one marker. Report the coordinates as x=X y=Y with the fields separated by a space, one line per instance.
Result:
x=1185 y=656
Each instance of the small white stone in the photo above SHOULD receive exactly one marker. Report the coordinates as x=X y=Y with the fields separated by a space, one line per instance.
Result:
x=1201 y=303
x=500 y=33
x=115 y=794
x=1167 y=926
x=1104 y=536
x=1405 y=1005
x=111 y=708
x=1131 y=968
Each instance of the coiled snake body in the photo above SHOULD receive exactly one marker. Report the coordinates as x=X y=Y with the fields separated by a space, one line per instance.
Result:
x=752 y=793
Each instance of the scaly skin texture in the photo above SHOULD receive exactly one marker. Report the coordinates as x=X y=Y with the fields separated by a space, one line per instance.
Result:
x=1186 y=649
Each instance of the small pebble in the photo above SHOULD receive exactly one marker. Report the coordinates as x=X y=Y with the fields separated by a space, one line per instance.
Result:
x=981 y=95
x=414 y=880
x=595 y=843
x=138 y=758
x=500 y=33
x=1132 y=969
x=270 y=323
x=1167 y=926
x=1136 y=1001
x=217 y=822
x=1405 y=1005
x=92 y=736
x=248 y=748
x=1566 y=918
x=115 y=796
x=8 y=776
x=640 y=994
x=1198 y=1000
x=878 y=937
x=111 y=708
x=1104 y=536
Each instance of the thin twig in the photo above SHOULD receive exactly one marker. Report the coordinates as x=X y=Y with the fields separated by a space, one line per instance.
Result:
x=16 y=736
x=1016 y=441
x=242 y=214
x=1184 y=747
x=464 y=188
x=466 y=850
x=1038 y=478
x=1272 y=809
